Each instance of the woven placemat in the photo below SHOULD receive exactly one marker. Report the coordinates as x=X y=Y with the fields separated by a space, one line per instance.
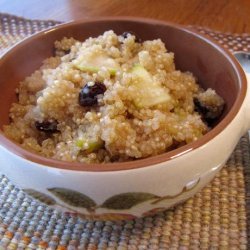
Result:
x=216 y=218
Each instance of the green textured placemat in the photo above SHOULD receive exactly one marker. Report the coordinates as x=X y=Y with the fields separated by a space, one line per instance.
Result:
x=216 y=218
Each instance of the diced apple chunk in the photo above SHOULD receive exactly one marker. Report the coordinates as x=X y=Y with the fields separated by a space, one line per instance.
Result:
x=148 y=93
x=89 y=145
x=94 y=62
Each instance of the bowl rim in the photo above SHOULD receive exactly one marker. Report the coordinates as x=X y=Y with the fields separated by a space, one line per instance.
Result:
x=16 y=149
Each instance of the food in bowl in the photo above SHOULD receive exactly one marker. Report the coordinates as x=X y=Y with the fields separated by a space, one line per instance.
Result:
x=110 y=98
x=129 y=189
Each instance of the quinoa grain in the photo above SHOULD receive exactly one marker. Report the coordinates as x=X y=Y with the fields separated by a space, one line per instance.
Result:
x=121 y=126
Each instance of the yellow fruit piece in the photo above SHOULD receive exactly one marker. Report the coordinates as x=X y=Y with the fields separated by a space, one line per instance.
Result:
x=147 y=92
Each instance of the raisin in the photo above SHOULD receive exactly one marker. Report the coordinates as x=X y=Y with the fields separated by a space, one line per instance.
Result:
x=47 y=126
x=67 y=51
x=208 y=113
x=200 y=108
x=88 y=94
x=126 y=34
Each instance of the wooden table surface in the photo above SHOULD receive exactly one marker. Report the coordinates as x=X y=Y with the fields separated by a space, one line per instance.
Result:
x=224 y=15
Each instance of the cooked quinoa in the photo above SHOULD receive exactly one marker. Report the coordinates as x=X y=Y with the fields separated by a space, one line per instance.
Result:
x=110 y=98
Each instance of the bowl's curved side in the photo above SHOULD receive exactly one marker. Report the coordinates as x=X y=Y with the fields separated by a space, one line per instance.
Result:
x=213 y=66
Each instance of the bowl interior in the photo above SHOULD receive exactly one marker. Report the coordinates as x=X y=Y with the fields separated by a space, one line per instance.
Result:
x=206 y=60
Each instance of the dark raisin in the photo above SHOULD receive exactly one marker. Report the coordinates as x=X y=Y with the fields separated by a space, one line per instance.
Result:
x=88 y=94
x=47 y=126
x=67 y=51
x=208 y=113
x=126 y=34
x=129 y=115
x=200 y=108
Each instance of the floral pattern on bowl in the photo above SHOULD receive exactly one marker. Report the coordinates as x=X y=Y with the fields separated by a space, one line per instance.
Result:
x=74 y=202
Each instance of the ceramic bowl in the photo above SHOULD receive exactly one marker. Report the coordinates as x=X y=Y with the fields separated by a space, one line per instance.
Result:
x=137 y=188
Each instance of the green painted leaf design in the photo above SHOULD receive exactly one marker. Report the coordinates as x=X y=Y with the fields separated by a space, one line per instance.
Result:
x=40 y=196
x=184 y=190
x=73 y=198
x=127 y=200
